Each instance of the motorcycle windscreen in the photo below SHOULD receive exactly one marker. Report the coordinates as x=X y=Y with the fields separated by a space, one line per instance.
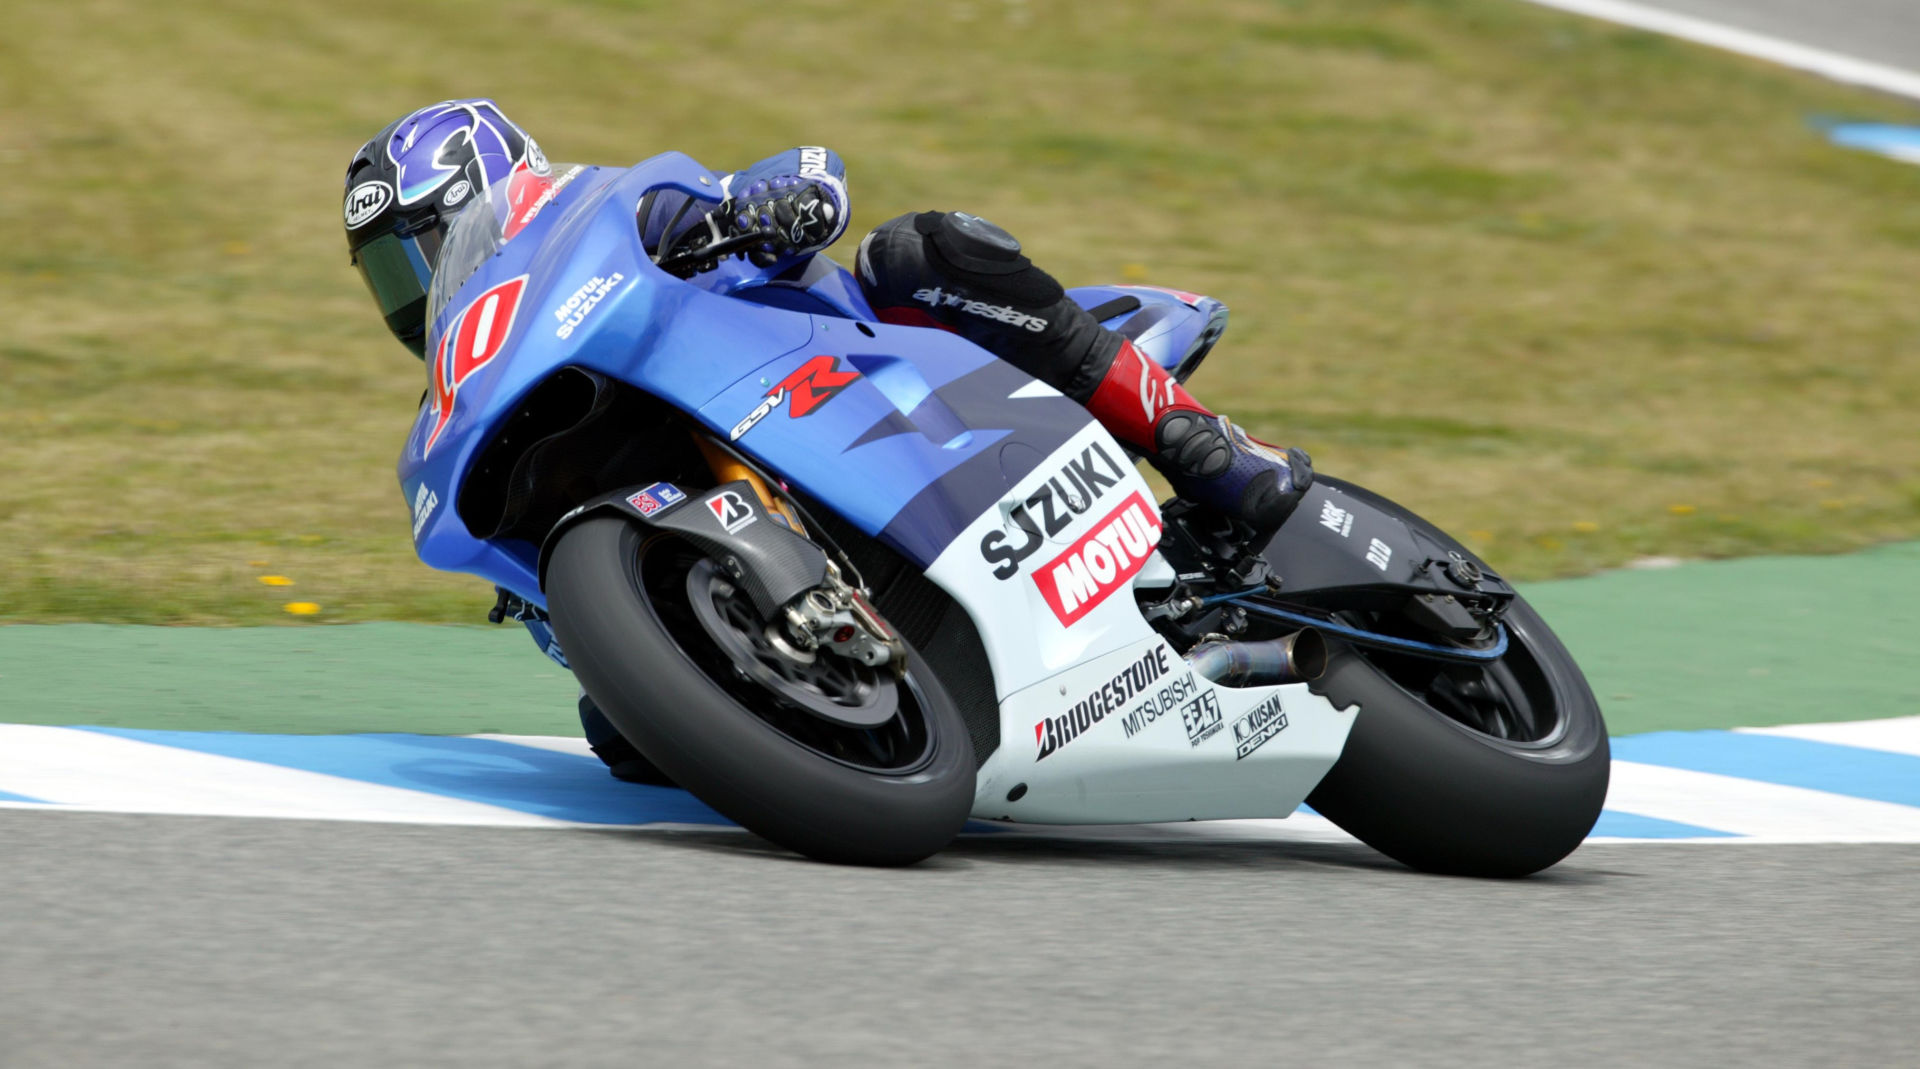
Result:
x=494 y=216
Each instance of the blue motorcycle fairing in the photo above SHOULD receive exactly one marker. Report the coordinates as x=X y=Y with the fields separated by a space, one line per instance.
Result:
x=917 y=446
x=819 y=285
x=1175 y=329
x=908 y=433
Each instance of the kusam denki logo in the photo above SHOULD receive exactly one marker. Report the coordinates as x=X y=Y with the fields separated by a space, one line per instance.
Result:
x=470 y=342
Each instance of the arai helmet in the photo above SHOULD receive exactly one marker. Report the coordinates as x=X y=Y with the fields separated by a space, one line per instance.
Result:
x=404 y=188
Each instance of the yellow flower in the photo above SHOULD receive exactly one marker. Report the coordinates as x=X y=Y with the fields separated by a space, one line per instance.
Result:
x=301 y=608
x=276 y=580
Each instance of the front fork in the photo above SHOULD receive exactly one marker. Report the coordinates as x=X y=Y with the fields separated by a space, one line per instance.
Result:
x=728 y=468
x=834 y=615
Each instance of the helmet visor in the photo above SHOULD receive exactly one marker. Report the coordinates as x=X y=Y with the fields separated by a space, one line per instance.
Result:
x=397 y=269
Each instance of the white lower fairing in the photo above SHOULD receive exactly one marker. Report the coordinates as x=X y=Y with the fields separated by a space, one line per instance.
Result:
x=1181 y=748
x=1100 y=721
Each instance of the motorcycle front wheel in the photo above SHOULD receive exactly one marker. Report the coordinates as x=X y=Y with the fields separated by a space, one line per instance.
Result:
x=816 y=752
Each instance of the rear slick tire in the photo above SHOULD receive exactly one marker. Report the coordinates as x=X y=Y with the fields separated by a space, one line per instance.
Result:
x=1432 y=792
x=1437 y=795
x=651 y=669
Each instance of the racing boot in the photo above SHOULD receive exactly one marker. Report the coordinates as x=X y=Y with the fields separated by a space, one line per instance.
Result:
x=624 y=761
x=1205 y=456
x=964 y=274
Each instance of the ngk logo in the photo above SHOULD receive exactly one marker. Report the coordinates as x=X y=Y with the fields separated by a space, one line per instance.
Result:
x=1102 y=561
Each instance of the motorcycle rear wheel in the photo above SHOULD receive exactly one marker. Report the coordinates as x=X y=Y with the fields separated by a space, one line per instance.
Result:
x=690 y=686
x=1496 y=771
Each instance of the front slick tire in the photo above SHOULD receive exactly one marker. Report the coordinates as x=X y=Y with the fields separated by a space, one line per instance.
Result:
x=622 y=607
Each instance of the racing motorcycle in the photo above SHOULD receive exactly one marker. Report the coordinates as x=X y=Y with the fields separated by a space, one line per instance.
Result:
x=850 y=583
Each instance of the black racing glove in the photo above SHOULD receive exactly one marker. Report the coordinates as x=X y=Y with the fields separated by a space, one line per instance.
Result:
x=794 y=215
x=790 y=216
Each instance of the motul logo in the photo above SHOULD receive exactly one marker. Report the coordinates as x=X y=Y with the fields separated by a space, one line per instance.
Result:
x=1114 y=551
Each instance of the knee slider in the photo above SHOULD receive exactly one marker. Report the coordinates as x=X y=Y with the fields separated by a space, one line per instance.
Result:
x=942 y=263
x=972 y=252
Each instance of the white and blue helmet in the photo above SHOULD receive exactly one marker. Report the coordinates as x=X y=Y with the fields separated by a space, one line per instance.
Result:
x=404 y=187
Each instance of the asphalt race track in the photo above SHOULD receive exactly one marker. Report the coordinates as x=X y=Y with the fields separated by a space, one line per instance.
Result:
x=501 y=901
x=216 y=941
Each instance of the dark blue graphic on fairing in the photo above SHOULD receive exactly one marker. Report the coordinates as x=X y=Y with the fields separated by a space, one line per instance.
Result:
x=1034 y=427
x=906 y=432
x=915 y=447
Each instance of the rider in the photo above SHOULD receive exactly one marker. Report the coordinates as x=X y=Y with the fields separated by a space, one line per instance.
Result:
x=949 y=270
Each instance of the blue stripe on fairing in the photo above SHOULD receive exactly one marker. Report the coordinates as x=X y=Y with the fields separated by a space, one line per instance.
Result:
x=936 y=515
x=1820 y=766
x=1614 y=824
x=9 y=796
x=523 y=778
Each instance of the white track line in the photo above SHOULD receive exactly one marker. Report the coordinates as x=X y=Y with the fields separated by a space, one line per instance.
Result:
x=555 y=743
x=1301 y=827
x=1901 y=735
x=90 y=770
x=1760 y=46
x=81 y=770
x=1767 y=812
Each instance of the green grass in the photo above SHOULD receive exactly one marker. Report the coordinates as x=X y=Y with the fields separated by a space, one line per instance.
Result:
x=1578 y=293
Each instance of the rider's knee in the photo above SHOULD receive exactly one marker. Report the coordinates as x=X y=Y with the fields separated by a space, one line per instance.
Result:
x=919 y=257
x=960 y=272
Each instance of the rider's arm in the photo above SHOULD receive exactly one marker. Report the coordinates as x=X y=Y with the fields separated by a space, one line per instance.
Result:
x=799 y=196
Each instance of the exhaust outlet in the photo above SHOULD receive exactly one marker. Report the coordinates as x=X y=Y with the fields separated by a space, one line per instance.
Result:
x=1296 y=658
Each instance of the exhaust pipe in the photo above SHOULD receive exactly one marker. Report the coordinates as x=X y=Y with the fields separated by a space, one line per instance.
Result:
x=1297 y=658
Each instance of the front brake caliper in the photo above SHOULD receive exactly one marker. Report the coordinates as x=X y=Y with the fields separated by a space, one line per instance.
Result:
x=838 y=617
